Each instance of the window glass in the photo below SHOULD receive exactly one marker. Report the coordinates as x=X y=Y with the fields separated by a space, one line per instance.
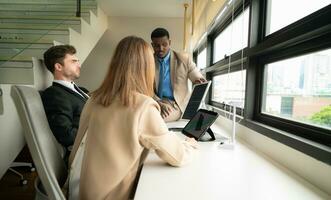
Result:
x=281 y=13
x=299 y=89
x=202 y=59
x=233 y=38
x=230 y=88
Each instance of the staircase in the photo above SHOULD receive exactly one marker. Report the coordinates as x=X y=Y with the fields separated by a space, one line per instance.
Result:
x=29 y=27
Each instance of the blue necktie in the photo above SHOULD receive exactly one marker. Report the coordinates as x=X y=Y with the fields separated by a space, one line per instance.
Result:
x=160 y=89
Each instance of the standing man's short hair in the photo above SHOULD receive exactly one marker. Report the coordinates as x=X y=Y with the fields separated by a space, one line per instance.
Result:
x=160 y=32
x=56 y=54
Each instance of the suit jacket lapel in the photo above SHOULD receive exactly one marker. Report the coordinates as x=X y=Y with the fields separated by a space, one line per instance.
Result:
x=173 y=65
x=69 y=90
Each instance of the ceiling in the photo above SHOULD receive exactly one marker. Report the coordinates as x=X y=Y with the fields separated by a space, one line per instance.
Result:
x=143 y=8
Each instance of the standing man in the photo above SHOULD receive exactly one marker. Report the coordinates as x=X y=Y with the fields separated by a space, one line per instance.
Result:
x=172 y=71
x=64 y=100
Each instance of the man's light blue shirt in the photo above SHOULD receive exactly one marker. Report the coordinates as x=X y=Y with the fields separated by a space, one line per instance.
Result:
x=165 y=85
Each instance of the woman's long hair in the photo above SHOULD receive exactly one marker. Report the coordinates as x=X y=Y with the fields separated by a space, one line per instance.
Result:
x=132 y=69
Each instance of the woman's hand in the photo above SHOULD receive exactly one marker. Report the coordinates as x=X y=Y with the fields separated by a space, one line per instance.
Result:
x=192 y=142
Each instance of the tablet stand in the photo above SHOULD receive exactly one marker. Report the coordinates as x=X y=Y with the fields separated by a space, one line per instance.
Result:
x=211 y=134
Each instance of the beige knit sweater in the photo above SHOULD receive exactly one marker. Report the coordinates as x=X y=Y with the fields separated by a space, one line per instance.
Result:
x=116 y=143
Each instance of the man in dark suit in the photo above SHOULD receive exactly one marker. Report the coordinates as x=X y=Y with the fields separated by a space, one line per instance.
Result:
x=63 y=101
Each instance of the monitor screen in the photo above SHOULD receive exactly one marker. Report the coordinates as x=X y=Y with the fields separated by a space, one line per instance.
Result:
x=197 y=96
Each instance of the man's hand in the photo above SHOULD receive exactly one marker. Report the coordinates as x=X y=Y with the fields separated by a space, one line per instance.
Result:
x=166 y=108
x=200 y=80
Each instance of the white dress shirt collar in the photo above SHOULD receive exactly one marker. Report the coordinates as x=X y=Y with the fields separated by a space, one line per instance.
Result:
x=67 y=84
x=70 y=85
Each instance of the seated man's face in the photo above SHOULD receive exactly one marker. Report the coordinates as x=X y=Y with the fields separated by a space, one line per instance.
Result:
x=161 y=46
x=71 y=67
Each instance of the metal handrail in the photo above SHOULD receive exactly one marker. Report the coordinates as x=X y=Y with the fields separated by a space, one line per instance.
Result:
x=78 y=12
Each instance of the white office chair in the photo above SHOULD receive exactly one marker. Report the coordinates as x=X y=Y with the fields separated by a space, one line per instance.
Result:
x=23 y=180
x=45 y=151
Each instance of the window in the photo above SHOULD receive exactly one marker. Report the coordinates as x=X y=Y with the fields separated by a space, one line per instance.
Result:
x=299 y=89
x=233 y=38
x=289 y=85
x=229 y=88
x=202 y=58
x=281 y=13
x=227 y=43
x=280 y=82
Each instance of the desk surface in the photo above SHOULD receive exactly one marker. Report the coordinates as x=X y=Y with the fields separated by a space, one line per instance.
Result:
x=216 y=173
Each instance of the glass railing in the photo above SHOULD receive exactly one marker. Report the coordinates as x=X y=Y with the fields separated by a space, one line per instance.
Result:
x=29 y=27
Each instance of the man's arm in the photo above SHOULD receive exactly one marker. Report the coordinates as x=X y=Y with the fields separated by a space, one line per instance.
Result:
x=193 y=72
x=59 y=113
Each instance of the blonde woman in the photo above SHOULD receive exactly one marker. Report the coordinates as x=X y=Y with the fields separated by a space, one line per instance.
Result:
x=121 y=122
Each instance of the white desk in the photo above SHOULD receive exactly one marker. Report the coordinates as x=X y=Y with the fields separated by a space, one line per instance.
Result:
x=217 y=174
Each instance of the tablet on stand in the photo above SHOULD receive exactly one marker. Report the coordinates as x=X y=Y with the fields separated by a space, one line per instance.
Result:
x=200 y=124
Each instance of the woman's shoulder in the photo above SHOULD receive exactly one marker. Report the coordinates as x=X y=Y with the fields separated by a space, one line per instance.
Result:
x=145 y=101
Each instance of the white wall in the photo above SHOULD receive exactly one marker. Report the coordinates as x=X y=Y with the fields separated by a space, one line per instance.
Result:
x=89 y=35
x=11 y=135
x=142 y=27
x=97 y=62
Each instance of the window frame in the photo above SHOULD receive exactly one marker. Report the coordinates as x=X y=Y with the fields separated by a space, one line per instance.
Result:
x=308 y=34
x=305 y=130
x=221 y=66
x=198 y=50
